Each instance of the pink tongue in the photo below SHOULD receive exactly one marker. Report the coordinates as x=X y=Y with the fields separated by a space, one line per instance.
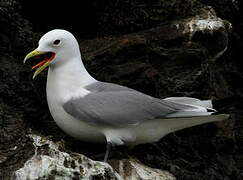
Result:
x=39 y=64
x=44 y=61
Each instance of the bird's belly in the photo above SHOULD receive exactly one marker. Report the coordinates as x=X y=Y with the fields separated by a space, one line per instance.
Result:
x=74 y=127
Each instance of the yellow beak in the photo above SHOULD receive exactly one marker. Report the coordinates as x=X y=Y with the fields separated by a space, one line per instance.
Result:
x=43 y=64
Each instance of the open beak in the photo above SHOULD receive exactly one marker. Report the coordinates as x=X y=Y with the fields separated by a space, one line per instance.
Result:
x=47 y=57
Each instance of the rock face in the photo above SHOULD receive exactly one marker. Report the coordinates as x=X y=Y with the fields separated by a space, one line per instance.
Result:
x=49 y=162
x=172 y=48
x=162 y=48
x=134 y=170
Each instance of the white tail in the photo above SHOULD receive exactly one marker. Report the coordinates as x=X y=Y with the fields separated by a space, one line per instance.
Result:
x=191 y=101
x=152 y=131
x=176 y=124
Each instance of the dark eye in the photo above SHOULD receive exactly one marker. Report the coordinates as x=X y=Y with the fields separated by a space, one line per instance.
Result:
x=56 y=42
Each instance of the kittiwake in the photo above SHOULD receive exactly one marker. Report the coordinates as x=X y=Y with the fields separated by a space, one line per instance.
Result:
x=102 y=112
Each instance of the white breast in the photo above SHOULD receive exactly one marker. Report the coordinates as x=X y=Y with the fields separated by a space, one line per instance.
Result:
x=58 y=92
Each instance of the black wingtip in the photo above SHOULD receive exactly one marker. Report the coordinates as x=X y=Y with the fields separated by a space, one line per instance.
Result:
x=211 y=110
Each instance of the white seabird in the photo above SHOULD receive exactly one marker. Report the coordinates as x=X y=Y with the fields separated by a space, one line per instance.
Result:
x=96 y=111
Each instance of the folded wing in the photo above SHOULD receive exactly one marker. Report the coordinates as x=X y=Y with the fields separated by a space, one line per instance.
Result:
x=126 y=107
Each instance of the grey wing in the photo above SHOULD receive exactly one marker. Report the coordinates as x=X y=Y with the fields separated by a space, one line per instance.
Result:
x=106 y=87
x=120 y=108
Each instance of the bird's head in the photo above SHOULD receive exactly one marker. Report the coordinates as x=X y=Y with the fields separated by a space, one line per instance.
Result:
x=55 y=48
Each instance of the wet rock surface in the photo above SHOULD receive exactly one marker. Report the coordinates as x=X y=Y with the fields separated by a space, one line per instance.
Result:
x=49 y=162
x=192 y=51
x=133 y=169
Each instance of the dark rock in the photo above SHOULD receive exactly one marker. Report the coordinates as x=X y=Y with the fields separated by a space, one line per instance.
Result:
x=178 y=42
x=15 y=146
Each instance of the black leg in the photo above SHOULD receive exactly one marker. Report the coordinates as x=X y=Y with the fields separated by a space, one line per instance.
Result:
x=108 y=149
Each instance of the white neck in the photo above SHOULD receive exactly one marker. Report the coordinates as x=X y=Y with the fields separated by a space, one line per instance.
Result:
x=68 y=80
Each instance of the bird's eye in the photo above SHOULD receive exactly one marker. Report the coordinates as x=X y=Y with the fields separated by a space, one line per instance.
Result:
x=56 y=42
